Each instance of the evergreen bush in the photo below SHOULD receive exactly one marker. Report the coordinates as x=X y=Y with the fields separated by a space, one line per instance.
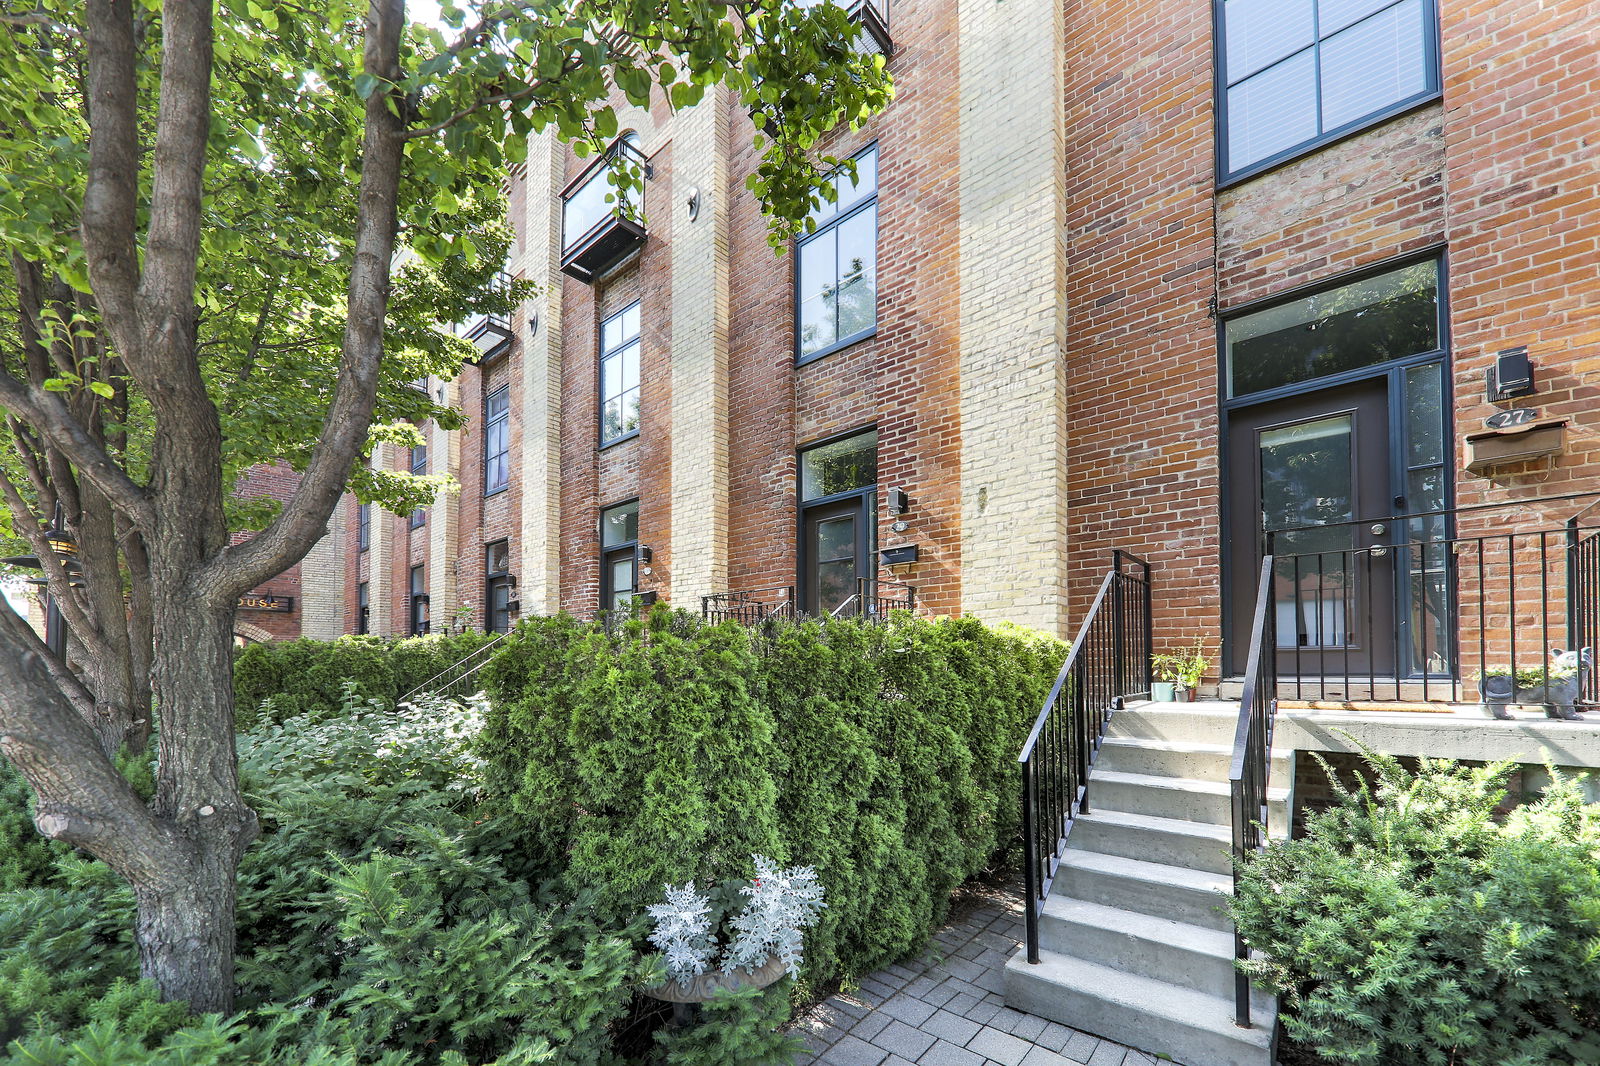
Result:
x=1408 y=925
x=664 y=749
x=275 y=681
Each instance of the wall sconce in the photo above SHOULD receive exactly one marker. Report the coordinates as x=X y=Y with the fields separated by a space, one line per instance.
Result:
x=642 y=555
x=693 y=204
x=533 y=326
x=1511 y=374
x=899 y=502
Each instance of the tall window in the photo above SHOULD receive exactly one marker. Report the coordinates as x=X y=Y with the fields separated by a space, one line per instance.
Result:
x=362 y=609
x=419 y=466
x=364 y=526
x=419 y=603
x=836 y=272
x=1298 y=72
x=619 y=375
x=498 y=584
x=497 y=440
x=619 y=555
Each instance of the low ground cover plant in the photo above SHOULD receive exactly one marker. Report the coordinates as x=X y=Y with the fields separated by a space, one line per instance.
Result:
x=1410 y=925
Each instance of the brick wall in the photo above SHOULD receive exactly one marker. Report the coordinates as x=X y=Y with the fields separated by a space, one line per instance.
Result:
x=1141 y=347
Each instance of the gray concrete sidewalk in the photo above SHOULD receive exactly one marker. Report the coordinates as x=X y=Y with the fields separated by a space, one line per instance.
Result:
x=945 y=1007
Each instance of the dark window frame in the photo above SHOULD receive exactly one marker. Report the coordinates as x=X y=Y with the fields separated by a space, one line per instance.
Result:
x=1395 y=369
x=419 y=515
x=363 y=526
x=496 y=579
x=1226 y=178
x=866 y=203
x=609 y=554
x=417 y=599
x=363 y=608
x=866 y=498
x=491 y=422
x=600 y=376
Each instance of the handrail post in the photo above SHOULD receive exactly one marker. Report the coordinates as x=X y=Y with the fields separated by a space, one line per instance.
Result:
x=1030 y=860
x=1575 y=634
x=1119 y=650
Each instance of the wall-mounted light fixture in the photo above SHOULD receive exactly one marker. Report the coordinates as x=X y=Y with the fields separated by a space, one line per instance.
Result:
x=1511 y=374
x=899 y=502
x=692 y=204
x=533 y=326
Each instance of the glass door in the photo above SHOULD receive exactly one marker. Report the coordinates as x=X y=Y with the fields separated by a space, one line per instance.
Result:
x=1307 y=469
x=836 y=555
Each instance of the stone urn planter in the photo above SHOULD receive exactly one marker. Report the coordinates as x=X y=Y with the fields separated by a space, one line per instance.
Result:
x=1556 y=690
x=702 y=988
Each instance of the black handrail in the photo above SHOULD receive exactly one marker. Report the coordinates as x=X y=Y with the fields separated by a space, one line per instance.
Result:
x=461 y=671
x=1251 y=766
x=1109 y=662
x=749 y=606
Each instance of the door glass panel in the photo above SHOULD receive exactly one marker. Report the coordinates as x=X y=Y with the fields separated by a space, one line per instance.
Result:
x=621 y=582
x=1391 y=316
x=836 y=540
x=836 y=583
x=1428 y=589
x=1307 y=479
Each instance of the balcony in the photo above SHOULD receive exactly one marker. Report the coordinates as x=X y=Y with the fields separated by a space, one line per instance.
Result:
x=602 y=225
x=874 y=20
x=490 y=334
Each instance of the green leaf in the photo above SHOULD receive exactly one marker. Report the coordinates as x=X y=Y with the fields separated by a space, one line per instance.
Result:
x=100 y=388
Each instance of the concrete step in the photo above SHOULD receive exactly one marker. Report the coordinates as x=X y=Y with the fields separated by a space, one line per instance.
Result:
x=1186 y=1026
x=1205 y=846
x=1176 y=758
x=1201 y=722
x=1185 y=798
x=1196 y=897
x=1190 y=956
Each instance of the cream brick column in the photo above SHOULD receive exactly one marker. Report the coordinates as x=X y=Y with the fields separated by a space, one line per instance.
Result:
x=379 y=549
x=700 y=311
x=539 y=575
x=322 y=581
x=444 y=517
x=1013 y=317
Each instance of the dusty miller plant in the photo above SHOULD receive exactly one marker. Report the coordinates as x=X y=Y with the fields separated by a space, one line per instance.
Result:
x=779 y=905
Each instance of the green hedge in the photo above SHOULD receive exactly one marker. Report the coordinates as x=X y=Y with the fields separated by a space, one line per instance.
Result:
x=1411 y=925
x=668 y=749
x=308 y=676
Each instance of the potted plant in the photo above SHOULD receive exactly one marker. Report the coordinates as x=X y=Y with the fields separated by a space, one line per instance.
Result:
x=1179 y=673
x=1555 y=686
x=738 y=934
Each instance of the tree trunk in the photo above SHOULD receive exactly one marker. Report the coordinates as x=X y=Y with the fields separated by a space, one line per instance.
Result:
x=185 y=927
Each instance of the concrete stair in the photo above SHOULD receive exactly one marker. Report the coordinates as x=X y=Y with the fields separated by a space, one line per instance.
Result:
x=1135 y=943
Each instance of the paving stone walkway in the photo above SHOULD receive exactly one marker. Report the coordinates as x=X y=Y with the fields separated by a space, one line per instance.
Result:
x=945 y=1008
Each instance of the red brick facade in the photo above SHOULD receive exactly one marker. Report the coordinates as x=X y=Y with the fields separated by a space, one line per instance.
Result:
x=1495 y=176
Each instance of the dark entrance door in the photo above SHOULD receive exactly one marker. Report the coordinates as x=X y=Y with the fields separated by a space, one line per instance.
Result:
x=835 y=550
x=1319 y=459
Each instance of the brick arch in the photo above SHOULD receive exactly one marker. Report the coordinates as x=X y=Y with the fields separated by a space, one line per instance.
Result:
x=252 y=632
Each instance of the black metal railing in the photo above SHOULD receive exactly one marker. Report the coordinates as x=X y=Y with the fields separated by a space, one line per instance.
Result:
x=1583 y=602
x=1251 y=766
x=1109 y=662
x=455 y=680
x=872 y=600
x=750 y=607
x=1413 y=609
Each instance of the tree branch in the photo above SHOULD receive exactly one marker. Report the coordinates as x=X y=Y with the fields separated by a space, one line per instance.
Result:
x=60 y=582
x=38 y=18
x=304 y=519
x=82 y=799
x=110 y=195
x=47 y=415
